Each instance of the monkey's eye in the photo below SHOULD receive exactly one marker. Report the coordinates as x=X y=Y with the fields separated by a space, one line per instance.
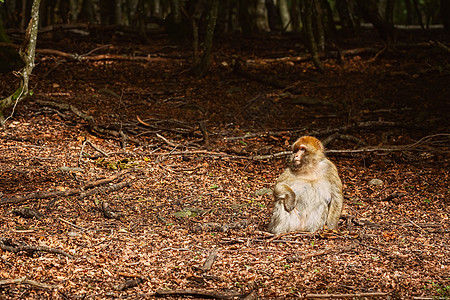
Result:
x=301 y=148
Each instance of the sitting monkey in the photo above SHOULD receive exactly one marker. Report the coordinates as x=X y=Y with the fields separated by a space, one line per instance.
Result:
x=308 y=194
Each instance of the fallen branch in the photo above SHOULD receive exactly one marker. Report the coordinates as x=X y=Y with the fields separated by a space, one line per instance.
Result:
x=200 y=293
x=358 y=295
x=89 y=119
x=24 y=280
x=167 y=141
x=15 y=249
x=106 y=180
x=80 y=191
x=88 y=57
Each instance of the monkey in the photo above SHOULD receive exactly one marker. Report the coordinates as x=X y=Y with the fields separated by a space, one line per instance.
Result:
x=308 y=194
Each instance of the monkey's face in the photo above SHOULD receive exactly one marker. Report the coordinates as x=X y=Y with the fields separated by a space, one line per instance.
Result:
x=299 y=156
x=305 y=151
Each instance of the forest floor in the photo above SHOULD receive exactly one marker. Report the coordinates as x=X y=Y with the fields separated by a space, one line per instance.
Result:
x=185 y=177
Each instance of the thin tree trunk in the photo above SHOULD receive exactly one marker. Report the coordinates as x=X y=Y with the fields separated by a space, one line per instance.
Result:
x=262 y=22
x=318 y=25
x=295 y=15
x=118 y=12
x=284 y=15
x=345 y=16
x=307 y=19
x=445 y=12
x=28 y=59
x=419 y=15
x=330 y=24
x=389 y=12
x=203 y=66
x=370 y=12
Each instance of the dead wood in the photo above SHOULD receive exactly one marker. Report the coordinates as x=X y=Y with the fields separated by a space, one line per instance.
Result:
x=80 y=191
x=89 y=119
x=167 y=141
x=259 y=78
x=108 y=212
x=106 y=180
x=185 y=128
x=440 y=45
x=24 y=280
x=209 y=261
x=393 y=196
x=200 y=293
x=88 y=57
x=7 y=245
x=28 y=213
x=356 y=295
x=205 y=133
x=129 y=284
x=358 y=125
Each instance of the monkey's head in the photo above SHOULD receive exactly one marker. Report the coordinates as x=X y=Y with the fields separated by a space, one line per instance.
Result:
x=306 y=152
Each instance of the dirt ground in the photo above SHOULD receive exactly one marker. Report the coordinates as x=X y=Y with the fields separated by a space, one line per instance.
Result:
x=188 y=176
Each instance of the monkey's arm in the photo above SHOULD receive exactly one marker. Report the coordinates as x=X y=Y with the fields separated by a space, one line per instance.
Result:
x=337 y=199
x=284 y=193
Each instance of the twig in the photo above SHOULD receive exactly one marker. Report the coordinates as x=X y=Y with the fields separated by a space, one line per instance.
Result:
x=201 y=293
x=104 y=153
x=421 y=229
x=359 y=295
x=166 y=141
x=81 y=152
x=24 y=280
x=71 y=224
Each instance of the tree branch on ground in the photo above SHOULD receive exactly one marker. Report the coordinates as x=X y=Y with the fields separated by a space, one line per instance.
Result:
x=201 y=293
x=6 y=245
x=24 y=280
x=91 y=121
x=81 y=192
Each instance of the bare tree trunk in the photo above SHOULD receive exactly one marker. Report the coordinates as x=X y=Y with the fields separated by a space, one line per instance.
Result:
x=132 y=12
x=284 y=15
x=307 y=19
x=330 y=24
x=389 y=11
x=419 y=15
x=370 y=12
x=203 y=66
x=295 y=15
x=318 y=25
x=118 y=12
x=28 y=59
x=345 y=16
x=262 y=22
x=445 y=12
